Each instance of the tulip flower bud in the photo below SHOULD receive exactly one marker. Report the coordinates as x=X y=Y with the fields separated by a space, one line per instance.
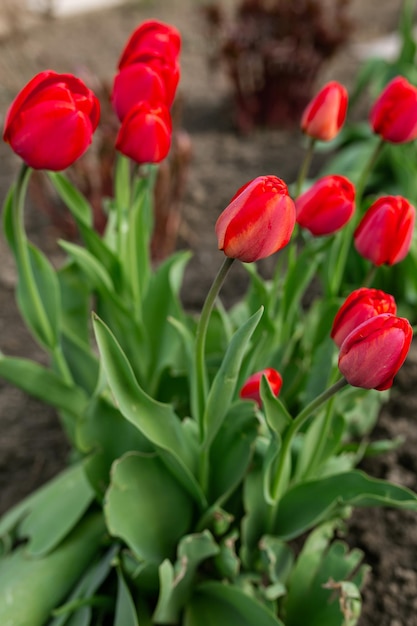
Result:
x=394 y=114
x=327 y=206
x=385 y=232
x=374 y=351
x=51 y=122
x=251 y=388
x=325 y=114
x=358 y=307
x=258 y=221
x=152 y=37
x=145 y=133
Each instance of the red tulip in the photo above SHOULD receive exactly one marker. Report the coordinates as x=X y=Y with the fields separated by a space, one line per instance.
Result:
x=374 y=351
x=152 y=37
x=51 y=122
x=327 y=206
x=251 y=388
x=385 y=232
x=394 y=114
x=168 y=70
x=145 y=133
x=358 y=307
x=324 y=116
x=258 y=221
x=133 y=84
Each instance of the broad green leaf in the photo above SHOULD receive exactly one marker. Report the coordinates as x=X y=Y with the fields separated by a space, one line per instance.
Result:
x=75 y=302
x=311 y=589
x=224 y=384
x=82 y=362
x=214 y=603
x=309 y=503
x=278 y=556
x=176 y=581
x=157 y=421
x=125 y=608
x=256 y=512
x=30 y=587
x=43 y=384
x=103 y=434
x=146 y=506
x=52 y=513
x=231 y=451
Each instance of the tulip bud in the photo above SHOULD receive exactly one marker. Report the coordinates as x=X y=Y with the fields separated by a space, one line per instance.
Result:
x=324 y=116
x=258 y=221
x=51 y=122
x=327 y=206
x=152 y=37
x=358 y=307
x=251 y=388
x=374 y=351
x=394 y=114
x=145 y=133
x=385 y=232
x=133 y=84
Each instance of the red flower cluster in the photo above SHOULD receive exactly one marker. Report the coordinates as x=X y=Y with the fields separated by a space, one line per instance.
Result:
x=373 y=341
x=144 y=89
x=51 y=122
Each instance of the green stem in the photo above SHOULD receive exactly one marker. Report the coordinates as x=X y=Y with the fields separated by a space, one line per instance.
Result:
x=293 y=429
x=23 y=259
x=305 y=166
x=370 y=275
x=200 y=343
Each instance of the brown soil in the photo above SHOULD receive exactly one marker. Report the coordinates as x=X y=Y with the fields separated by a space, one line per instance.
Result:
x=32 y=447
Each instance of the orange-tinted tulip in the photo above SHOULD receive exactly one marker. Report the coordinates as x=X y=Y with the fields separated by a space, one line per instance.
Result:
x=327 y=206
x=251 y=388
x=51 y=122
x=394 y=114
x=358 y=307
x=325 y=114
x=145 y=133
x=374 y=351
x=258 y=221
x=385 y=232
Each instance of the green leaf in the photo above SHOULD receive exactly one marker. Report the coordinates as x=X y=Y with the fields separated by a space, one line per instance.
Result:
x=71 y=613
x=105 y=435
x=231 y=451
x=309 y=503
x=43 y=384
x=311 y=588
x=176 y=582
x=92 y=269
x=50 y=513
x=160 y=303
x=224 y=384
x=214 y=603
x=125 y=609
x=277 y=416
x=30 y=588
x=72 y=198
x=146 y=506
x=157 y=421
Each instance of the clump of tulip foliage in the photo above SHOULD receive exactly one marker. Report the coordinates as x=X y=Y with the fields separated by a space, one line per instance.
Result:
x=202 y=445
